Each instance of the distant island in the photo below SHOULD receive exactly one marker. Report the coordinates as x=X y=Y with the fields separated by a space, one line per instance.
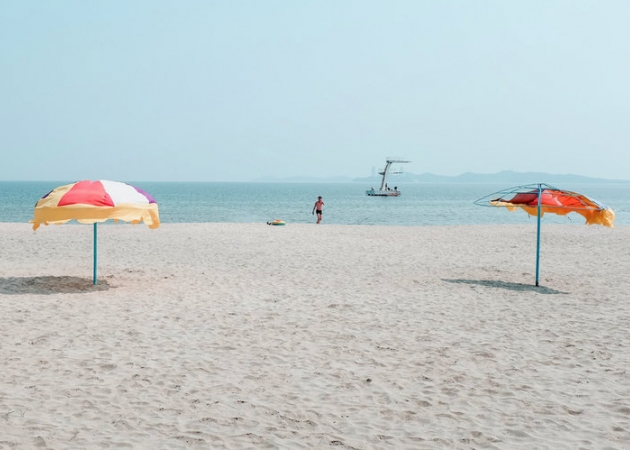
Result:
x=505 y=176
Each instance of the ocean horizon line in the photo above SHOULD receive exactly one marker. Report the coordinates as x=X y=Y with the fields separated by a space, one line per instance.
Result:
x=506 y=176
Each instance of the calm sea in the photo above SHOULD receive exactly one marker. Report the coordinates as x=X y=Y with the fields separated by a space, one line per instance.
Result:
x=346 y=203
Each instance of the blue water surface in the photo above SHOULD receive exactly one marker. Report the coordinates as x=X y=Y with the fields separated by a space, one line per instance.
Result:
x=345 y=203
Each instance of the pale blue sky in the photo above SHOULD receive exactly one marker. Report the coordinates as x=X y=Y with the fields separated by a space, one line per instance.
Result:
x=236 y=90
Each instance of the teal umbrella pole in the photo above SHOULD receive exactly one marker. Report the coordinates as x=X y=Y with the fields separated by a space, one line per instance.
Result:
x=95 y=253
x=537 y=234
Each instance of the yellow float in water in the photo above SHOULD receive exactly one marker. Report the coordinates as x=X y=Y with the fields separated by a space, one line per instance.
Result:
x=277 y=222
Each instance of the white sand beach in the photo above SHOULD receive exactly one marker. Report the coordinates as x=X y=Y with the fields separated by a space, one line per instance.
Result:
x=243 y=336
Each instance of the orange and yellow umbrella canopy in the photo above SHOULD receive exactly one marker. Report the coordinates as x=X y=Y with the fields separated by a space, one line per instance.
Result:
x=556 y=201
x=540 y=199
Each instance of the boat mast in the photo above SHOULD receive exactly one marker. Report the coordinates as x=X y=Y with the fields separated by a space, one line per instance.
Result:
x=385 y=171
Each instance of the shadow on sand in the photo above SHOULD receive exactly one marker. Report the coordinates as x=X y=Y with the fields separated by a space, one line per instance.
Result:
x=520 y=287
x=50 y=285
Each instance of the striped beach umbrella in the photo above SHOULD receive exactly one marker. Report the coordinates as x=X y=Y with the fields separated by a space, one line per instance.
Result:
x=91 y=202
x=539 y=199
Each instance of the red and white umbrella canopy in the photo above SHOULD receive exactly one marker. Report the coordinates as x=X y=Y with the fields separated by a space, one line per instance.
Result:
x=96 y=201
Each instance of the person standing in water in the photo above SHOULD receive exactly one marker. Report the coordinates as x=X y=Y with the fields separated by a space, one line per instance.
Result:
x=318 y=207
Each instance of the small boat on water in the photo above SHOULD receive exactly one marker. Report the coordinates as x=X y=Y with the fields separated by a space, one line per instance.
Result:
x=384 y=190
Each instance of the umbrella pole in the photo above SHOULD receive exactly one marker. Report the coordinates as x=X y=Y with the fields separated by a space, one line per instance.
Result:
x=95 y=254
x=538 y=233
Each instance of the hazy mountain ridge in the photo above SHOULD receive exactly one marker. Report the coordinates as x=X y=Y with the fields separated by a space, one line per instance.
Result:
x=505 y=176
